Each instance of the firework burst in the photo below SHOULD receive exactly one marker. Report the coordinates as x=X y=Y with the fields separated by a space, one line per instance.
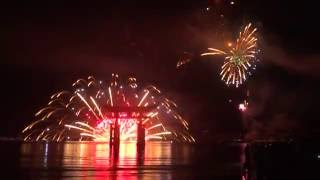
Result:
x=240 y=57
x=88 y=112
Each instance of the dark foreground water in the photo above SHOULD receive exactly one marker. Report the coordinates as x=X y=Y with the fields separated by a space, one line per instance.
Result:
x=161 y=160
x=88 y=160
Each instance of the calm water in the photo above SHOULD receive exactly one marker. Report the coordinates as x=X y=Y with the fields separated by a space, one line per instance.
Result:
x=88 y=160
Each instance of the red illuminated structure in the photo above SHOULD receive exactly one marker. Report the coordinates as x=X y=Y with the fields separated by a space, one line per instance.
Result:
x=117 y=113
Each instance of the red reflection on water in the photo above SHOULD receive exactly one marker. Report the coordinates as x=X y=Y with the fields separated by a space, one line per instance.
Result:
x=97 y=160
x=123 y=161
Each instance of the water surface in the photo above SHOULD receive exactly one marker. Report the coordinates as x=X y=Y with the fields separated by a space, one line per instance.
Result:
x=90 y=160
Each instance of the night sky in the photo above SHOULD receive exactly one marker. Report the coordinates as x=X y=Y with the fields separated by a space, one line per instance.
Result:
x=47 y=46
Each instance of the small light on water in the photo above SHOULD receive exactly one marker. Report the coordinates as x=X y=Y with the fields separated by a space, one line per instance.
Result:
x=318 y=156
x=46 y=149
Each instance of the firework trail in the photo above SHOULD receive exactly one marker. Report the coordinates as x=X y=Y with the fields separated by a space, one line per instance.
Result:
x=86 y=113
x=240 y=57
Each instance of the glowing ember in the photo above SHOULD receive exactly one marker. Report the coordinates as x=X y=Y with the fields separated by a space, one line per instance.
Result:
x=243 y=106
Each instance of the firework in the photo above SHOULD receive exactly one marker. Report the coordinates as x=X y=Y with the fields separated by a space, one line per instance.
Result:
x=87 y=113
x=240 y=58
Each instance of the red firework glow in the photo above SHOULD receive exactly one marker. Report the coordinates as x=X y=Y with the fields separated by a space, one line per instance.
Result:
x=127 y=121
x=98 y=111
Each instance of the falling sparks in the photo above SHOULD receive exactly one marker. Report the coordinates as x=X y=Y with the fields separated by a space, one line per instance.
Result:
x=143 y=98
x=110 y=95
x=88 y=113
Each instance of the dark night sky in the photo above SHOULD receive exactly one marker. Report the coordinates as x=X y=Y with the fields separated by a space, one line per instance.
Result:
x=46 y=46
